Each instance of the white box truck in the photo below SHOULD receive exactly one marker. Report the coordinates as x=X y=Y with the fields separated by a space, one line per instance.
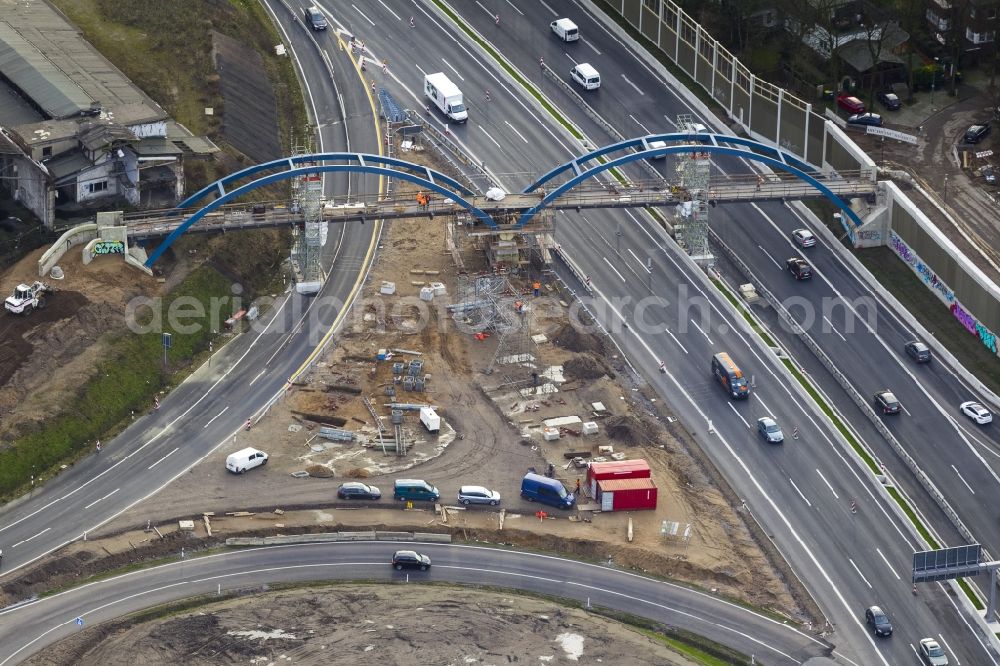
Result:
x=430 y=419
x=446 y=96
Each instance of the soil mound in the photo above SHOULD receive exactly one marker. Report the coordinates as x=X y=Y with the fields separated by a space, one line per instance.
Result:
x=573 y=339
x=587 y=366
x=629 y=429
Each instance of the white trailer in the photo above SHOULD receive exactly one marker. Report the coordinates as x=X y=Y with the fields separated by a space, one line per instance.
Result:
x=446 y=96
x=430 y=419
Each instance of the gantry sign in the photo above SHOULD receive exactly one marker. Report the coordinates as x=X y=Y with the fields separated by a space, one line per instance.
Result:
x=953 y=563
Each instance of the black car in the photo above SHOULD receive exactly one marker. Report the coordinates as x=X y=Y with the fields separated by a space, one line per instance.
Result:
x=358 y=490
x=976 y=133
x=410 y=559
x=918 y=351
x=890 y=101
x=314 y=18
x=799 y=268
x=878 y=621
x=887 y=402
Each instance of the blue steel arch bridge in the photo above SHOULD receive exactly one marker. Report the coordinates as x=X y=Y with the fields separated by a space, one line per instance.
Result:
x=593 y=180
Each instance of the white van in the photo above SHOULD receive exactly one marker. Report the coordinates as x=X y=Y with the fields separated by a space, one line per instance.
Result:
x=248 y=458
x=446 y=96
x=586 y=76
x=565 y=30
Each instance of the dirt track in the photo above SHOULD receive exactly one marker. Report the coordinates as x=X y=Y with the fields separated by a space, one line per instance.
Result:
x=356 y=624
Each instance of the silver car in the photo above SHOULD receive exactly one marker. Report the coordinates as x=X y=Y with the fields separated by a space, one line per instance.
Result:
x=769 y=430
x=931 y=653
x=478 y=495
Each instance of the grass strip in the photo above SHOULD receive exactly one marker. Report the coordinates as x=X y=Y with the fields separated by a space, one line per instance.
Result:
x=911 y=514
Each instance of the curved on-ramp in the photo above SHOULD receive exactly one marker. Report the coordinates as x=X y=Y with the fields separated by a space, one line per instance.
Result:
x=29 y=627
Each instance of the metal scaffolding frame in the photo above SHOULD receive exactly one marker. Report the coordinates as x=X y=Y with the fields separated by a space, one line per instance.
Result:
x=309 y=239
x=691 y=229
x=491 y=304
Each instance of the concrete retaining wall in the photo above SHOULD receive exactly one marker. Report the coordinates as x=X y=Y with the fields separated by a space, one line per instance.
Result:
x=329 y=537
x=78 y=235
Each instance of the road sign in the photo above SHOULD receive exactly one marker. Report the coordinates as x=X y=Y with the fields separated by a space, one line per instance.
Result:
x=168 y=341
x=892 y=134
x=946 y=563
x=984 y=154
x=79 y=621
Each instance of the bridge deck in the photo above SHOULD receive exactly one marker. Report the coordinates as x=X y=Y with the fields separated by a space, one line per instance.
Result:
x=637 y=194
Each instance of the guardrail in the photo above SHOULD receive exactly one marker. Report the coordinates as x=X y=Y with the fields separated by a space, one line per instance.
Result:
x=334 y=537
x=858 y=399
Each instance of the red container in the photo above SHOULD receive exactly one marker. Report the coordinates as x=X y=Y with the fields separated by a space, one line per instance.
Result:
x=616 y=469
x=626 y=494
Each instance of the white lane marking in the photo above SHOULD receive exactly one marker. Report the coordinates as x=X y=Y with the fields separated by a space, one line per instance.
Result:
x=768 y=255
x=637 y=88
x=905 y=410
x=739 y=415
x=176 y=448
x=515 y=8
x=102 y=499
x=834 y=328
x=808 y=503
x=673 y=123
x=31 y=537
x=390 y=10
x=986 y=447
x=613 y=268
x=488 y=12
x=948 y=648
x=962 y=479
x=892 y=353
x=636 y=121
x=259 y=375
x=570 y=58
x=363 y=15
x=705 y=334
x=420 y=69
x=219 y=414
x=879 y=551
x=835 y=496
x=640 y=261
x=676 y=340
x=488 y=135
x=859 y=573
x=551 y=11
x=594 y=48
x=961 y=614
x=514 y=129
x=453 y=69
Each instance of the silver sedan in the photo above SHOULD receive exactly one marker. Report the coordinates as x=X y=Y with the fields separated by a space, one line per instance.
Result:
x=478 y=495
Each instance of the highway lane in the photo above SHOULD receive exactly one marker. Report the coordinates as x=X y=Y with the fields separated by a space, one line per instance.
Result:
x=208 y=409
x=385 y=27
x=29 y=628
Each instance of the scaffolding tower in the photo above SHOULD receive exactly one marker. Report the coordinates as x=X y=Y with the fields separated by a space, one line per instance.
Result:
x=309 y=237
x=691 y=227
x=489 y=304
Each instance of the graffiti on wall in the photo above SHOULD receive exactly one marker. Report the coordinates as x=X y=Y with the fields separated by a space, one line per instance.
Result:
x=872 y=235
x=920 y=268
x=109 y=247
x=970 y=323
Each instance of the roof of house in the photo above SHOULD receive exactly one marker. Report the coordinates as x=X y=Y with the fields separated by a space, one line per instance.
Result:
x=46 y=57
x=858 y=55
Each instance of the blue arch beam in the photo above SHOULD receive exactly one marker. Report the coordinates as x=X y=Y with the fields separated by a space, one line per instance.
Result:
x=228 y=196
x=360 y=160
x=708 y=143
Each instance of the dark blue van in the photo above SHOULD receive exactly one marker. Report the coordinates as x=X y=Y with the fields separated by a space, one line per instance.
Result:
x=538 y=488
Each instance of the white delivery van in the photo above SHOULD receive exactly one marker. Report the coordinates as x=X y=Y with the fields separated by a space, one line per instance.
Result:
x=586 y=76
x=248 y=458
x=446 y=96
x=430 y=419
x=565 y=30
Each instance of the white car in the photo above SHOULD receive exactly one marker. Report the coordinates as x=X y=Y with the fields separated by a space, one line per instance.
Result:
x=976 y=412
x=931 y=653
x=803 y=238
x=656 y=145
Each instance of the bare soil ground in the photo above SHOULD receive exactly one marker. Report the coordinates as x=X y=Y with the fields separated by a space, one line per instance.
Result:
x=46 y=356
x=351 y=624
